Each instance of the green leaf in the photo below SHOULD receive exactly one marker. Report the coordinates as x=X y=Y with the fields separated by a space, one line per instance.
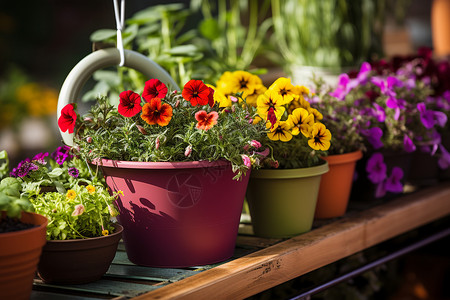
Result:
x=210 y=29
x=56 y=172
x=102 y=35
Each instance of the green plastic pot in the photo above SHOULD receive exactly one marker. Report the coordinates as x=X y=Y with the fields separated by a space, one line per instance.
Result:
x=282 y=203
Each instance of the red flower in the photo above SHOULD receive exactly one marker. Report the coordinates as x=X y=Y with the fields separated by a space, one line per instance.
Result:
x=211 y=97
x=196 y=92
x=130 y=104
x=154 y=112
x=205 y=120
x=68 y=118
x=154 y=89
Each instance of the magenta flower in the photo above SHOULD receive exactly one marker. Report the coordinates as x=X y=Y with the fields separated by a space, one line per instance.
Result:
x=376 y=168
x=61 y=154
x=379 y=113
x=79 y=209
x=341 y=90
x=374 y=135
x=429 y=118
x=23 y=168
x=444 y=160
x=408 y=144
x=40 y=158
x=393 y=183
x=73 y=172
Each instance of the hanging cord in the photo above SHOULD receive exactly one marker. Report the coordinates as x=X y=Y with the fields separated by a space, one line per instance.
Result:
x=120 y=21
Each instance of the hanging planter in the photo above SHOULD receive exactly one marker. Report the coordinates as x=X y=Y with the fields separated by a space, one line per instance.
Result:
x=335 y=185
x=78 y=261
x=177 y=214
x=19 y=256
x=282 y=202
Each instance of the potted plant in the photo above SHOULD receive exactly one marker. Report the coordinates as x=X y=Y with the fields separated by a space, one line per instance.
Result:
x=282 y=196
x=325 y=38
x=182 y=163
x=398 y=120
x=347 y=146
x=81 y=238
x=22 y=236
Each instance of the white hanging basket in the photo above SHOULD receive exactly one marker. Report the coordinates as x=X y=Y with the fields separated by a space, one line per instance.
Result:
x=71 y=88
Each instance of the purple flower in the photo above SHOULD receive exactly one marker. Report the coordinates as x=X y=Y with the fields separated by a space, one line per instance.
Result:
x=61 y=154
x=408 y=144
x=374 y=135
x=341 y=90
x=40 y=158
x=23 y=168
x=379 y=113
x=73 y=172
x=429 y=118
x=396 y=104
x=444 y=160
x=393 y=183
x=376 y=168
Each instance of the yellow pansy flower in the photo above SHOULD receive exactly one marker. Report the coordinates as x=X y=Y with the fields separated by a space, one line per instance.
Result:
x=105 y=232
x=280 y=132
x=245 y=82
x=320 y=137
x=317 y=114
x=285 y=89
x=253 y=98
x=270 y=99
x=300 y=121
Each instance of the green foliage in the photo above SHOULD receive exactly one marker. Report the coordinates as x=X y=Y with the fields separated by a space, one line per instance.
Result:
x=160 y=33
x=11 y=199
x=328 y=33
x=66 y=222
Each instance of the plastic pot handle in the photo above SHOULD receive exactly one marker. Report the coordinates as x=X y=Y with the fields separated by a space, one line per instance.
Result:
x=100 y=59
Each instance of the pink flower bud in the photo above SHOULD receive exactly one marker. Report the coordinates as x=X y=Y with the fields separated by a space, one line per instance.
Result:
x=234 y=99
x=188 y=151
x=264 y=153
x=247 y=161
x=255 y=144
x=142 y=129
x=89 y=139
x=157 y=143
x=246 y=147
x=177 y=103
x=233 y=108
x=79 y=209
x=250 y=121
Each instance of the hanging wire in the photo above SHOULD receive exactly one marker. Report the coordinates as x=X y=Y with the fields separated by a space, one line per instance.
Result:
x=120 y=22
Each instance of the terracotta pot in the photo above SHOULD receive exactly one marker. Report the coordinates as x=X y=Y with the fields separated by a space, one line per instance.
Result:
x=440 y=24
x=78 y=261
x=19 y=256
x=336 y=185
x=282 y=201
x=177 y=214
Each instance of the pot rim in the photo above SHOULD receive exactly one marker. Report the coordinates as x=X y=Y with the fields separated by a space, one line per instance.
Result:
x=118 y=231
x=344 y=158
x=160 y=165
x=291 y=173
x=40 y=221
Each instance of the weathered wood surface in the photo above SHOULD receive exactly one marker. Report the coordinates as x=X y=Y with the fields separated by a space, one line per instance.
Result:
x=286 y=260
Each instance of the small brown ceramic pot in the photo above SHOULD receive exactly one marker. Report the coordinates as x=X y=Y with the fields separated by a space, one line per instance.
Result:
x=78 y=261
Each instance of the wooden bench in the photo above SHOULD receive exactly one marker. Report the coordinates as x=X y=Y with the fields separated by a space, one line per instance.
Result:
x=260 y=263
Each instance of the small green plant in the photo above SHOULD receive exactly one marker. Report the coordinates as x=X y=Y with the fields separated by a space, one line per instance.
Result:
x=83 y=212
x=11 y=199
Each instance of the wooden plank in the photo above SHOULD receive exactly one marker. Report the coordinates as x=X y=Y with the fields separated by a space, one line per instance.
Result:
x=101 y=287
x=284 y=261
x=38 y=295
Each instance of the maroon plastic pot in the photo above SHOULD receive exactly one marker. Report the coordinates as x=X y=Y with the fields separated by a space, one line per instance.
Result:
x=78 y=261
x=177 y=214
